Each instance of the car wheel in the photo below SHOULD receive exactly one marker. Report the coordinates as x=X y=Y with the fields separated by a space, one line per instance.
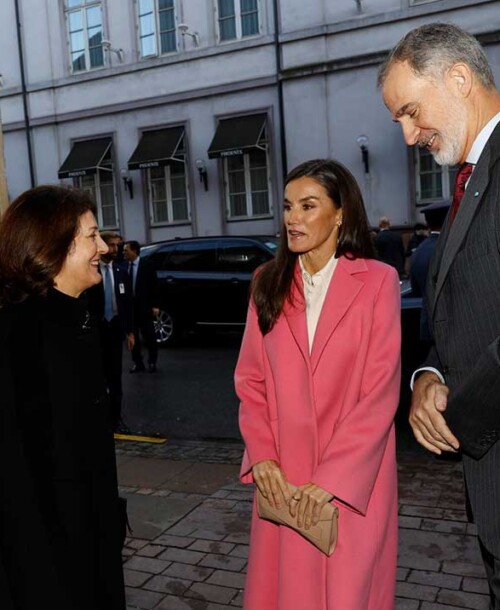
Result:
x=166 y=329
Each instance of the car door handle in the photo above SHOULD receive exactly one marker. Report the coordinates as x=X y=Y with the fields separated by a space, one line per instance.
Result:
x=235 y=280
x=169 y=279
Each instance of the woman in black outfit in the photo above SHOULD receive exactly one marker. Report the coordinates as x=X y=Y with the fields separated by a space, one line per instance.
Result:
x=60 y=544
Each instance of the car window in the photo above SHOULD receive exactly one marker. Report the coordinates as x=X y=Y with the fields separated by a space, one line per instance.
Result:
x=159 y=258
x=193 y=256
x=242 y=258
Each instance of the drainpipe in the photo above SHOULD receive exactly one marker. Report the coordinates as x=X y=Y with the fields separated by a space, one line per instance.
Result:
x=27 y=127
x=281 y=110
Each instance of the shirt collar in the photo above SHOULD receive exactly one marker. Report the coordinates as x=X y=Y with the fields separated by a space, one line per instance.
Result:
x=319 y=275
x=481 y=139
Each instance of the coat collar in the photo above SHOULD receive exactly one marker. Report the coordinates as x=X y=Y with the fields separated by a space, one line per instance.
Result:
x=345 y=285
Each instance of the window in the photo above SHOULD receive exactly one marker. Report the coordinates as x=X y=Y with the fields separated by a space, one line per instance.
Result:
x=237 y=19
x=168 y=191
x=241 y=257
x=101 y=186
x=84 y=19
x=157 y=30
x=433 y=181
x=193 y=256
x=246 y=179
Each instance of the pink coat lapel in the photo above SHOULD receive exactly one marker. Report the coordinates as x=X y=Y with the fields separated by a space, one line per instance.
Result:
x=342 y=291
x=295 y=314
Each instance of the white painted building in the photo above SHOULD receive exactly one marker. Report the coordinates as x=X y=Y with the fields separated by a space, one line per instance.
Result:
x=181 y=116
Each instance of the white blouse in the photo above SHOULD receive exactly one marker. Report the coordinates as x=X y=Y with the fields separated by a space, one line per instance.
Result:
x=315 y=289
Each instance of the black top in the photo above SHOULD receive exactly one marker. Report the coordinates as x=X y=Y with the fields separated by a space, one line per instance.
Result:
x=59 y=523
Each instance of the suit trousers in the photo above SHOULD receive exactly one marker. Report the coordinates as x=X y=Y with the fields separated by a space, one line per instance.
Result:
x=492 y=567
x=112 y=348
x=144 y=333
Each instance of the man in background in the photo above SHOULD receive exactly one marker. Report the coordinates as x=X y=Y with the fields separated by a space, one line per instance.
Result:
x=435 y=214
x=111 y=303
x=389 y=246
x=146 y=306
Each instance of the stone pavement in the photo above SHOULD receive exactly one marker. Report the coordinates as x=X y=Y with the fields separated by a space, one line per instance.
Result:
x=190 y=519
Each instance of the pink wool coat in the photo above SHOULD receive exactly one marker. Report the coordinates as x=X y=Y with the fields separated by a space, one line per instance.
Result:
x=327 y=417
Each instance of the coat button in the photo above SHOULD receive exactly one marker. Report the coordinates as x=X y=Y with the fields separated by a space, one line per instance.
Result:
x=446 y=370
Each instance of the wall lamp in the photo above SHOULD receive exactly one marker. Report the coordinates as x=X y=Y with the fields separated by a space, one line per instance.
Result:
x=362 y=142
x=106 y=45
x=200 y=164
x=127 y=181
x=184 y=30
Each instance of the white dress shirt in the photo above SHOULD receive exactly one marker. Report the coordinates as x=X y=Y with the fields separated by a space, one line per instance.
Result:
x=315 y=289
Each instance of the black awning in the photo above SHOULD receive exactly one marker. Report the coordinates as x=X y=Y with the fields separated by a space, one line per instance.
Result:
x=235 y=136
x=156 y=148
x=85 y=158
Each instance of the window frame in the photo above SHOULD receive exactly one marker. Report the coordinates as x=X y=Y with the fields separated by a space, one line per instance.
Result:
x=180 y=157
x=82 y=7
x=238 y=22
x=447 y=175
x=248 y=188
x=157 y=33
x=97 y=194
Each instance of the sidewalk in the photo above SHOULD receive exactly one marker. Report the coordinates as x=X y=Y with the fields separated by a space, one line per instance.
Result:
x=190 y=518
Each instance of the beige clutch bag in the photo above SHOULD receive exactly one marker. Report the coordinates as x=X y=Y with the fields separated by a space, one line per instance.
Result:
x=323 y=535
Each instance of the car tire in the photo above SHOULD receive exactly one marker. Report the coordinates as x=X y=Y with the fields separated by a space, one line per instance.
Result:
x=166 y=329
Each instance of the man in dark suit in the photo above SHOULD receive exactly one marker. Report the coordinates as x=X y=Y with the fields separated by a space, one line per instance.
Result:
x=146 y=306
x=111 y=303
x=438 y=85
x=389 y=246
x=435 y=214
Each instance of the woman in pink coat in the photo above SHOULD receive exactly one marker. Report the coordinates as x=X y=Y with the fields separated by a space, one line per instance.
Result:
x=318 y=378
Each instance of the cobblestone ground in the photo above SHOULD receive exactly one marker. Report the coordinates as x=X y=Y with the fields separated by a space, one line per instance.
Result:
x=197 y=559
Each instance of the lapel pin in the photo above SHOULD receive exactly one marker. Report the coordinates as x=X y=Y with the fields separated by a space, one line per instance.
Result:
x=476 y=194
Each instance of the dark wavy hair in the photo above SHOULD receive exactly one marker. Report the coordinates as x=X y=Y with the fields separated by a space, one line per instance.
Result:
x=272 y=284
x=36 y=233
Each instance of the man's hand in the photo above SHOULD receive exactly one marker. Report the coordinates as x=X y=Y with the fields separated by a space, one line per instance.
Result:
x=429 y=401
x=307 y=502
x=271 y=481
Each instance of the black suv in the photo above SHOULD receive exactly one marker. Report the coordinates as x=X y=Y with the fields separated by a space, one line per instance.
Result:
x=205 y=281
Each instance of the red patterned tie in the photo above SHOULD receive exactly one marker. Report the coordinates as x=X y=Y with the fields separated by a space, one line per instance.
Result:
x=461 y=180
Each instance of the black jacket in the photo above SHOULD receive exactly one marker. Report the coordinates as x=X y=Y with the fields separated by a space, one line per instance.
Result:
x=146 y=294
x=59 y=518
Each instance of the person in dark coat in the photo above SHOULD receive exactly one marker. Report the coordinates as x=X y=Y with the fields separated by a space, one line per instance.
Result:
x=146 y=306
x=435 y=214
x=115 y=321
x=389 y=246
x=60 y=535
x=420 y=232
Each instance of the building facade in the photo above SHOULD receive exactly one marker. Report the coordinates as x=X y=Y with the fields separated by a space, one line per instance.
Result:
x=181 y=117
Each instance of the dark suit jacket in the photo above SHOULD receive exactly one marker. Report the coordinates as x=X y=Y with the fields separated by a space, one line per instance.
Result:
x=419 y=270
x=464 y=295
x=390 y=249
x=124 y=302
x=146 y=294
